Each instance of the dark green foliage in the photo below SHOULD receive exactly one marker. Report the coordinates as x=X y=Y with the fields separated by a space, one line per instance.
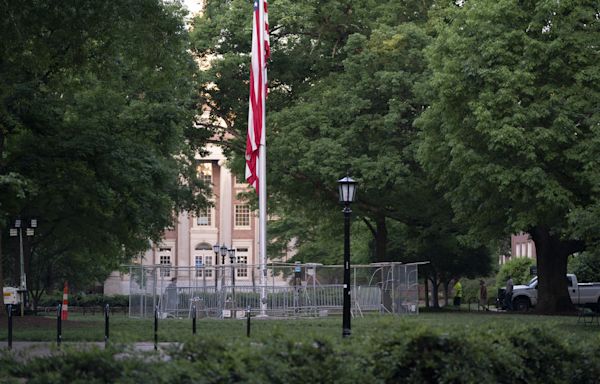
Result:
x=586 y=266
x=345 y=80
x=80 y=300
x=96 y=102
x=511 y=132
x=518 y=268
x=410 y=355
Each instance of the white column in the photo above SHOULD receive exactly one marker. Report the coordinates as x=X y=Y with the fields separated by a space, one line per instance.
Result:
x=183 y=241
x=225 y=205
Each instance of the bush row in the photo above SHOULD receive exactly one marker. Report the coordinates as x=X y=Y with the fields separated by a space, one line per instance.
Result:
x=421 y=355
x=85 y=300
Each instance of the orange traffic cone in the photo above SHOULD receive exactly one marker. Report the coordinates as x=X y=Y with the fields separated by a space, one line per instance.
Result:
x=64 y=314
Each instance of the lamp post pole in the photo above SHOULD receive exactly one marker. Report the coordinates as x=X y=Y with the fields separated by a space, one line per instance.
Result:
x=223 y=251
x=346 y=327
x=18 y=227
x=216 y=249
x=347 y=189
x=23 y=286
x=232 y=262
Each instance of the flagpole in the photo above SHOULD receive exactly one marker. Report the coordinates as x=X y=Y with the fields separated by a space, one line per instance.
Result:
x=262 y=182
x=262 y=229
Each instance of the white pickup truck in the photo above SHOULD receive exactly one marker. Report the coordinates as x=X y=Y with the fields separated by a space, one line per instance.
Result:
x=582 y=294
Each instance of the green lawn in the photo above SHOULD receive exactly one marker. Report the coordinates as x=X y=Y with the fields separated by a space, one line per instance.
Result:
x=124 y=329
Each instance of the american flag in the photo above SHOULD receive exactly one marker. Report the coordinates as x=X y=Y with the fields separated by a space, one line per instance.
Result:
x=258 y=91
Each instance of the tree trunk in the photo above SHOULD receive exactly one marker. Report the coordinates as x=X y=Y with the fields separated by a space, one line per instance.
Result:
x=435 y=292
x=2 y=307
x=380 y=239
x=426 y=292
x=446 y=292
x=552 y=255
x=36 y=297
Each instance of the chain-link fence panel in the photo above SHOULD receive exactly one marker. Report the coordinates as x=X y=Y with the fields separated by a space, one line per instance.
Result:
x=229 y=290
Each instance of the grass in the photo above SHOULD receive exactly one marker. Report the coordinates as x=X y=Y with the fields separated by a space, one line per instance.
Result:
x=125 y=330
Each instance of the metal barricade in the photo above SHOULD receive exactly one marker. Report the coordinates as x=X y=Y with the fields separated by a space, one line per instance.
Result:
x=292 y=290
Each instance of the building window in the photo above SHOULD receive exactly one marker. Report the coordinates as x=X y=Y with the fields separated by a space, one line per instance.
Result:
x=242 y=215
x=204 y=217
x=203 y=260
x=199 y=266
x=240 y=182
x=205 y=173
x=164 y=258
x=242 y=271
x=208 y=262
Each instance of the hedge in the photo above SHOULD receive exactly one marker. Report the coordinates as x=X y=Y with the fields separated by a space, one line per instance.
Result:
x=79 y=300
x=407 y=355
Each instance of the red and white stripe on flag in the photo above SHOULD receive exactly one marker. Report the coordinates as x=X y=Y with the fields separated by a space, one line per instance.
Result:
x=258 y=91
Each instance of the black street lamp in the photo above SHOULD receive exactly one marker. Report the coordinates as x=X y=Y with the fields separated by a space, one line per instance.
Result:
x=347 y=189
x=223 y=250
x=17 y=230
x=231 y=252
x=216 y=250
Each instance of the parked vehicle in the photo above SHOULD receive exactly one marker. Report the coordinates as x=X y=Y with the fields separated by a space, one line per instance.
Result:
x=525 y=296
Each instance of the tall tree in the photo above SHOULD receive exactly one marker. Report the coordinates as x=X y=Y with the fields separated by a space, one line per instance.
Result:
x=341 y=98
x=511 y=134
x=96 y=100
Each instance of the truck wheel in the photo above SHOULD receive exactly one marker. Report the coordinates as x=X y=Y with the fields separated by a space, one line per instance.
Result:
x=521 y=304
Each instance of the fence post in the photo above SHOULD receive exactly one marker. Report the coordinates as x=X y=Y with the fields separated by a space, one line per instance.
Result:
x=10 y=326
x=194 y=319
x=106 y=325
x=58 y=325
x=156 y=328
x=248 y=322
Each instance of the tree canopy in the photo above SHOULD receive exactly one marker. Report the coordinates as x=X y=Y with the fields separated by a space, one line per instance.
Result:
x=96 y=102
x=513 y=123
x=345 y=79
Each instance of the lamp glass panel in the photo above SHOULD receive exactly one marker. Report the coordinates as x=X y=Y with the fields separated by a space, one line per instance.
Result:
x=347 y=190
x=352 y=192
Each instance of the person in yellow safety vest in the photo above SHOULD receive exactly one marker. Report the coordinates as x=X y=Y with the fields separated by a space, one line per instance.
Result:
x=457 y=293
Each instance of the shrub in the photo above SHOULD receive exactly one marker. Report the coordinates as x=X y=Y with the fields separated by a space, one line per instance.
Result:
x=518 y=268
x=408 y=355
x=84 y=300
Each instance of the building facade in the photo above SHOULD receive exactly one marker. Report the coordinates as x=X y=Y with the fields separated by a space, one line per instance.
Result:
x=230 y=222
x=521 y=245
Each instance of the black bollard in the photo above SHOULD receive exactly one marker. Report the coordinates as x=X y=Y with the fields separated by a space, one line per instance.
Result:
x=194 y=319
x=248 y=322
x=58 y=325
x=106 y=325
x=10 y=324
x=156 y=328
